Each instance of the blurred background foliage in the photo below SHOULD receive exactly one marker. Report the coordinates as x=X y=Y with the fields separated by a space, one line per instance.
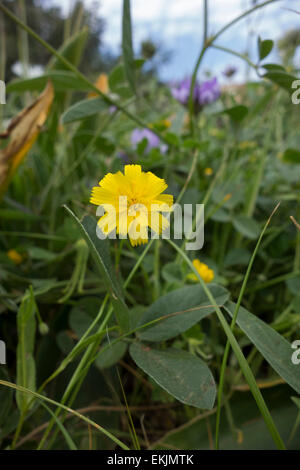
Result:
x=247 y=148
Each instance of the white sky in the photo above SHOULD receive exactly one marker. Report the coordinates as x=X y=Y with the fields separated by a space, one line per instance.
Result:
x=178 y=25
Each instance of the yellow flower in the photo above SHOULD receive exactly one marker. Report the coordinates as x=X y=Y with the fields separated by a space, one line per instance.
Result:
x=14 y=256
x=133 y=202
x=208 y=171
x=205 y=272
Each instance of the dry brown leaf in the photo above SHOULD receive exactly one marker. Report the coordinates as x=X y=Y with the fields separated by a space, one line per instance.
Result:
x=22 y=133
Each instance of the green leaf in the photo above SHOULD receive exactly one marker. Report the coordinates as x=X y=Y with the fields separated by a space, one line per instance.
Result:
x=296 y=400
x=26 y=326
x=282 y=79
x=172 y=139
x=273 y=67
x=127 y=47
x=100 y=253
x=246 y=226
x=273 y=347
x=111 y=355
x=171 y=272
x=61 y=80
x=84 y=109
x=41 y=254
x=117 y=77
x=71 y=50
x=237 y=257
x=264 y=47
x=184 y=307
x=291 y=156
x=236 y=113
x=79 y=321
x=181 y=374
x=15 y=214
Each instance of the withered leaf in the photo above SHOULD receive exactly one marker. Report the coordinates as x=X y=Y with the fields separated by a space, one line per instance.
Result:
x=22 y=133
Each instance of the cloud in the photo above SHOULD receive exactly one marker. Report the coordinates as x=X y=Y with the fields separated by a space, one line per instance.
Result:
x=178 y=25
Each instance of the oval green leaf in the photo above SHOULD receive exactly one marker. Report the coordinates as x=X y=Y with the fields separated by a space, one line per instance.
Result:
x=179 y=310
x=181 y=374
x=273 y=347
x=246 y=226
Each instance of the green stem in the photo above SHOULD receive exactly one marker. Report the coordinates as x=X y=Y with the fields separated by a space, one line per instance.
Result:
x=209 y=42
x=272 y=282
x=66 y=408
x=239 y=355
x=78 y=74
x=233 y=322
x=194 y=75
x=237 y=54
x=156 y=270
x=23 y=40
x=76 y=377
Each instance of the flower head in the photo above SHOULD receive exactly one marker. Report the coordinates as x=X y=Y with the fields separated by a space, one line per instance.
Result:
x=153 y=140
x=181 y=91
x=208 y=92
x=205 y=272
x=133 y=202
x=204 y=93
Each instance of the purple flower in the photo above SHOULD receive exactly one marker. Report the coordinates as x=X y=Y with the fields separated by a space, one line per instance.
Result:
x=152 y=140
x=181 y=91
x=204 y=93
x=208 y=92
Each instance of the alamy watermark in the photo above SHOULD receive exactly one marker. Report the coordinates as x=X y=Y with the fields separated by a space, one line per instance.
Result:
x=2 y=92
x=296 y=93
x=133 y=221
x=296 y=354
x=2 y=352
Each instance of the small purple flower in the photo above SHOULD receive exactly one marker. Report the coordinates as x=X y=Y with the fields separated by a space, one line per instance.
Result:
x=181 y=91
x=208 y=92
x=152 y=140
x=204 y=93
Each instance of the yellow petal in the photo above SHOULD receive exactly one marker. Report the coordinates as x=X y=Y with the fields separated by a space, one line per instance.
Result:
x=133 y=171
x=156 y=185
x=102 y=196
x=107 y=223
